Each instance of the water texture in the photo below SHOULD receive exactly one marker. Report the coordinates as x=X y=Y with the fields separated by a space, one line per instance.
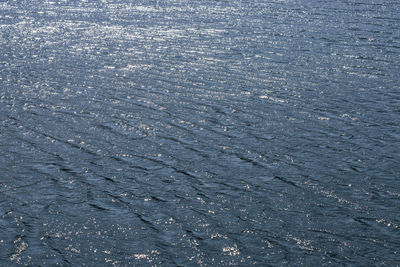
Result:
x=199 y=133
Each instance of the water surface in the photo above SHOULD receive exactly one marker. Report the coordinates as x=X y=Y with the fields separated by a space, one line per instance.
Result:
x=199 y=133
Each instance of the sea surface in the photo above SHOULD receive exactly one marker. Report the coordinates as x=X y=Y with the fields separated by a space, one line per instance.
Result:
x=200 y=133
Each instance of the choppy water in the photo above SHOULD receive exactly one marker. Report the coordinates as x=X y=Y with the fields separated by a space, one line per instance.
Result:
x=199 y=133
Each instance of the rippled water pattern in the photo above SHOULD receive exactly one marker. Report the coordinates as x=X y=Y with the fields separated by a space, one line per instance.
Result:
x=199 y=133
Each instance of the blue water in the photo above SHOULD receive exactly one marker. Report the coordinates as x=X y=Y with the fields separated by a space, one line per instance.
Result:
x=200 y=133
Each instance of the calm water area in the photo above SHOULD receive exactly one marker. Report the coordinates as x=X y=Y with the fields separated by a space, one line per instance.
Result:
x=200 y=133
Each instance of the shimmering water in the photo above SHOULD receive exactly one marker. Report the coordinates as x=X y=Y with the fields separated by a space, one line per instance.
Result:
x=199 y=133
